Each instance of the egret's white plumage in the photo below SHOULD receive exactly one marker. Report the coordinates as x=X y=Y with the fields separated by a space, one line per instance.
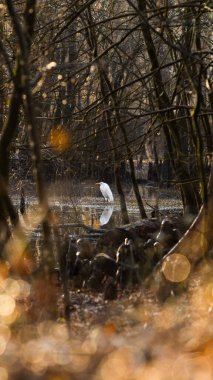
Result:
x=106 y=191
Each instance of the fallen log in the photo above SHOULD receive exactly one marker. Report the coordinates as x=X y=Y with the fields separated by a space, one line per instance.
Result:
x=82 y=225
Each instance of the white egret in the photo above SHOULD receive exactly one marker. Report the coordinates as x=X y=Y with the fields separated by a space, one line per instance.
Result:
x=106 y=191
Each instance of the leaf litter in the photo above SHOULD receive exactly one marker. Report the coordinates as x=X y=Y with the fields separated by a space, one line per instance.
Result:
x=134 y=337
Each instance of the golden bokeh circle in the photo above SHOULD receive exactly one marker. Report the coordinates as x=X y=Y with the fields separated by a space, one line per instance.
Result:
x=176 y=267
x=3 y=373
x=7 y=305
x=59 y=139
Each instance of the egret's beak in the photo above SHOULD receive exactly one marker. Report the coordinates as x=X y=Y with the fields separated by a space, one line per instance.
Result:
x=98 y=183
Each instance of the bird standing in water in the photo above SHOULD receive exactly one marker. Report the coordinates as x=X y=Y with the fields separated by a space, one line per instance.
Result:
x=106 y=191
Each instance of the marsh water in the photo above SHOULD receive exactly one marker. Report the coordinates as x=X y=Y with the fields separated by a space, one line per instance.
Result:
x=75 y=203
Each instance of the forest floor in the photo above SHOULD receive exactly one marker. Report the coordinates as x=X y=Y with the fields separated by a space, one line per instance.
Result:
x=135 y=337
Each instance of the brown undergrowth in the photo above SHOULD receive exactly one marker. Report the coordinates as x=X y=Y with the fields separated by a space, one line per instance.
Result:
x=134 y=337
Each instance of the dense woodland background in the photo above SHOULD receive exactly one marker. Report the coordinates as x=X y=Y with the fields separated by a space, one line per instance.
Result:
x=100 y=89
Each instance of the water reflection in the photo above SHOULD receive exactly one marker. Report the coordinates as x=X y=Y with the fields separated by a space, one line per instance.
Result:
x=106 y=215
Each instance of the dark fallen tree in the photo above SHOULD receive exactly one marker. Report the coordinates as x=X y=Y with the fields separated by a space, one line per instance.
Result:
x=181 y=261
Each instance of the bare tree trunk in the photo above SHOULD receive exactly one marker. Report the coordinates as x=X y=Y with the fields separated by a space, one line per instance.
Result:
x=124 y=211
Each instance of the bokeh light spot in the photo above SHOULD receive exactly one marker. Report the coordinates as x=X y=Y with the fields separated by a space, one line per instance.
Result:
x=3 y=374
x=59 y=139
x=7 y=305
x=11 y=287
x=117 y=365
x=208 y=293
x=51 y=65
x=4 y=270
x=188 y=364
x=35 y=354
x=176 y=267
x=10 y=319
x=4 y=338
x=60 y=332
